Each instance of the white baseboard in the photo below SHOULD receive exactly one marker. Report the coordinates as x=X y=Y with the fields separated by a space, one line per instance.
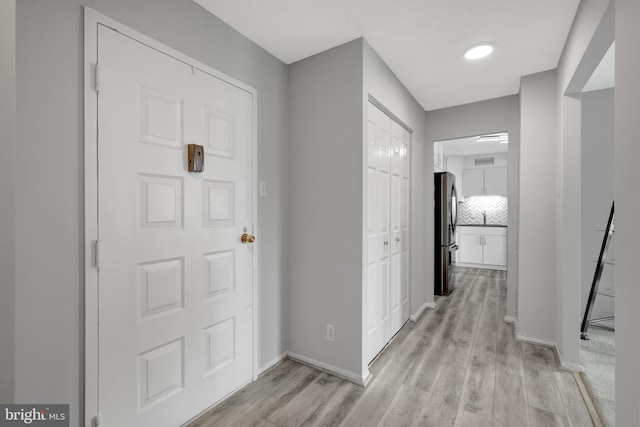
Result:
x=415 y=316
x=509 y=319
x=539 y=341
x=330 y=369
x=261 y=371
x=567 y=366
x=483 y=266
x=571 y=367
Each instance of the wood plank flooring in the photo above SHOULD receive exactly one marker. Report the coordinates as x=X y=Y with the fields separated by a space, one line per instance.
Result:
x=459 y=365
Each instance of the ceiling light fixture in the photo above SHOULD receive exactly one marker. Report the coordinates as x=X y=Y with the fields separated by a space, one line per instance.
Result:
x=478 y=51
x=502 y=138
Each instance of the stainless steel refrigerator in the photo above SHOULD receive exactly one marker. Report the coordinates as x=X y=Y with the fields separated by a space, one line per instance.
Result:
x=445 y=219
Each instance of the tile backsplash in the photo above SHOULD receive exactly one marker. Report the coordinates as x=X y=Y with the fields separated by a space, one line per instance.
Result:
x=470 y=210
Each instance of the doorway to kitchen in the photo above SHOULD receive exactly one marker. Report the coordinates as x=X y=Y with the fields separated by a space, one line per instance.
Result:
x=471 y=230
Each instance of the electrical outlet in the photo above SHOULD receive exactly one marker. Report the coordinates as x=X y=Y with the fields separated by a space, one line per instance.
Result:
x=262 y=189
x=331 y=333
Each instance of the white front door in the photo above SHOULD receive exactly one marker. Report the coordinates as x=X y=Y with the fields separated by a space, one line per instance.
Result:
x=175 y=280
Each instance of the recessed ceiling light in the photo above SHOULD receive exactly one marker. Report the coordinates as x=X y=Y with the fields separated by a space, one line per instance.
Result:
x=479 y=51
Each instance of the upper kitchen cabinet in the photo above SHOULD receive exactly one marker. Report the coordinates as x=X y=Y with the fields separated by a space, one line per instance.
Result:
x=495 y=181
x=490 y=181
x=473 y=181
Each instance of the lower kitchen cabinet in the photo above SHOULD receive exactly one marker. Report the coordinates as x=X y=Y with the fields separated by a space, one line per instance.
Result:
x=470 y=248
x=495 y=250
x=482 y=246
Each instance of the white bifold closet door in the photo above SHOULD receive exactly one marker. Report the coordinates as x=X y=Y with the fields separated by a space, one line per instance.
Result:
x=387 y=217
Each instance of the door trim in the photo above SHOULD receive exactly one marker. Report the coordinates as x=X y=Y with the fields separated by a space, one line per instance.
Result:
x=92 y=20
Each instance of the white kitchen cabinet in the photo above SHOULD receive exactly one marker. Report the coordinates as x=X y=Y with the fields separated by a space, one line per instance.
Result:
x=495 y=181
x=484 y=247
x=470 y=249
x=495 y=250
x=473 y=181
x=485 y=181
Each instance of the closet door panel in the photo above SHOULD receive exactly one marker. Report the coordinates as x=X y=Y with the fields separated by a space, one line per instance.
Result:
x=387 y=215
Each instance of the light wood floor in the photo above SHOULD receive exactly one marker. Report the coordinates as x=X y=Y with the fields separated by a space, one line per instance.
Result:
x=459 y=365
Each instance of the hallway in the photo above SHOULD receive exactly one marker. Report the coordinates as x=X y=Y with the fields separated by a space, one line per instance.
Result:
x=458 y=365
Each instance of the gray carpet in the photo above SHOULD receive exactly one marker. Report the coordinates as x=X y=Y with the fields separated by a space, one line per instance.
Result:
x=598 y=360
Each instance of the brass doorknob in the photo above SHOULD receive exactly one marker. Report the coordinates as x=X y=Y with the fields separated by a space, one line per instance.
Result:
x=247 y=238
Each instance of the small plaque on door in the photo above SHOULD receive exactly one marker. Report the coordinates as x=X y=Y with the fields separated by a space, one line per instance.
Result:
x=195 y=158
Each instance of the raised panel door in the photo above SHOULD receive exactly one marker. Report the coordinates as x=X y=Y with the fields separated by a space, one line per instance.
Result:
x=175 y=282
x=384 y=230
x=379 y=182
x=404 y=217
x=373 y=288
x=395 y=282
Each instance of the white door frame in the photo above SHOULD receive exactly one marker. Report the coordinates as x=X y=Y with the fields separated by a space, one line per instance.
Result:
x=92 y=20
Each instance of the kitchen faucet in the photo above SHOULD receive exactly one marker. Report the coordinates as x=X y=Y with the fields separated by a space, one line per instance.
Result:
x=484 y=217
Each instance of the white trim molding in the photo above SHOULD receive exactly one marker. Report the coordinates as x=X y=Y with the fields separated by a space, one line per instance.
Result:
x=271 y=364
x=567 y=366
x=418 y=314
x=330 y=369
x=539 y=341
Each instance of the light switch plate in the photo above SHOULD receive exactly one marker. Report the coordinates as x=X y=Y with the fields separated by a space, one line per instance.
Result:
x=331 y=333
x=262 y=189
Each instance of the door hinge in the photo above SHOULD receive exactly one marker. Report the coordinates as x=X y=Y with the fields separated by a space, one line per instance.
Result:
x=96 y=421
x=98 y=77
x=97 y=253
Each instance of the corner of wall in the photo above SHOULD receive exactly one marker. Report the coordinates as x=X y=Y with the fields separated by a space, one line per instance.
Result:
x=326 y=181
x=537 y=210
x=627 y=177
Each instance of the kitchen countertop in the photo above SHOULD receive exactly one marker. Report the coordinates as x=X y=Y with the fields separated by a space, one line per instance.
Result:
x=482 y=225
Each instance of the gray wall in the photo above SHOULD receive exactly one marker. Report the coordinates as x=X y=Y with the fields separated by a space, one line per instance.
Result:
x=597 y=174
x=536 y=281
x=590 y=36
x=7 y=196
x=627 y=177
x=384 y=86
x=493 y=115
x=328 y=103
x=325 y=206
x=49 y=201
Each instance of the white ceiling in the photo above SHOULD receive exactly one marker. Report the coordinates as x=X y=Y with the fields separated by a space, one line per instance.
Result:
x=470 y=147
x=422 y=41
